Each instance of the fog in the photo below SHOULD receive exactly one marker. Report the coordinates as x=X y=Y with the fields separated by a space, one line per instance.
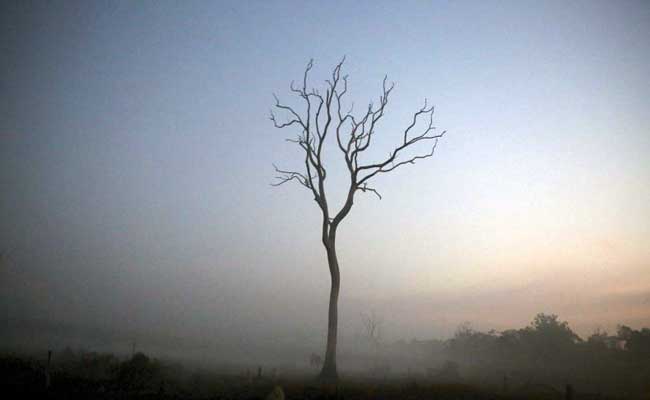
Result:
x=136 y=160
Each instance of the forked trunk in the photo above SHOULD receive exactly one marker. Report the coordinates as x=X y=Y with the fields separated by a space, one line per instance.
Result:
x=329 y=372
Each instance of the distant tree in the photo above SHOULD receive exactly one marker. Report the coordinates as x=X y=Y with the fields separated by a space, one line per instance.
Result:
x=549 y=339
x=624 y=333
x=549 y=327
x=636 y=341
x=372 y=333
x=324 y=114
x=471 y=346
x=372 y=328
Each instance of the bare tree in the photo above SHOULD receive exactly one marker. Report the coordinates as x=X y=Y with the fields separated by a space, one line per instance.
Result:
x=372 y=328
x=324 y=115
x=372 y=325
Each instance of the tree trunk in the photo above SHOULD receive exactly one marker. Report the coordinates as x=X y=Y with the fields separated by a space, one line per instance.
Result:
x=329 y=371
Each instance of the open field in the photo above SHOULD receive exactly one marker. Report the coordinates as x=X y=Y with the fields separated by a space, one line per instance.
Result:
x=104 y=377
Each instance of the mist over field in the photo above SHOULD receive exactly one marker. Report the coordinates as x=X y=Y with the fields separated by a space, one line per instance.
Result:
x=138 y=215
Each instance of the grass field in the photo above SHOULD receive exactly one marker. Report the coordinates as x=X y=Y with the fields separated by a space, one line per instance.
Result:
x=141 y=378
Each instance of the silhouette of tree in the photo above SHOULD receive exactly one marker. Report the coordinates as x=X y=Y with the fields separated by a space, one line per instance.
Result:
x=323 y=116
x=551 y=329
x=549 y=340
x=637 y=342
x=372 y=328
x=472 y=346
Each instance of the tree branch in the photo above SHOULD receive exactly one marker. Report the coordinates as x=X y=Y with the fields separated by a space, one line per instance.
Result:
x=353 y=136
x=390 y=164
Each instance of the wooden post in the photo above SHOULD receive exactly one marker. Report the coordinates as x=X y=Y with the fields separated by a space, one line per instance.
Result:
x=569 y=392
x=48 y=380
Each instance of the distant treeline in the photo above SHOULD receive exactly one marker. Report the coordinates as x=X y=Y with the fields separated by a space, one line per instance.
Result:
x=546 y=355
x=549 y=352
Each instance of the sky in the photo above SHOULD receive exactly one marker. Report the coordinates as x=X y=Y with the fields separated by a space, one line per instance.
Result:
x=136 y=160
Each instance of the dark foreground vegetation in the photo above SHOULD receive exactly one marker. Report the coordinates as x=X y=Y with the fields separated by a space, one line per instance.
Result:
x=142 y=378
x=545 y=360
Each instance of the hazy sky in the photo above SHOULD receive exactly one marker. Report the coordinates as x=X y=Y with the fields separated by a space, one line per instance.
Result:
x=136 y=155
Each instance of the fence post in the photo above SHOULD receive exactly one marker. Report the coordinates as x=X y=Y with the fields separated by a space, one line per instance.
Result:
x=569 y=392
